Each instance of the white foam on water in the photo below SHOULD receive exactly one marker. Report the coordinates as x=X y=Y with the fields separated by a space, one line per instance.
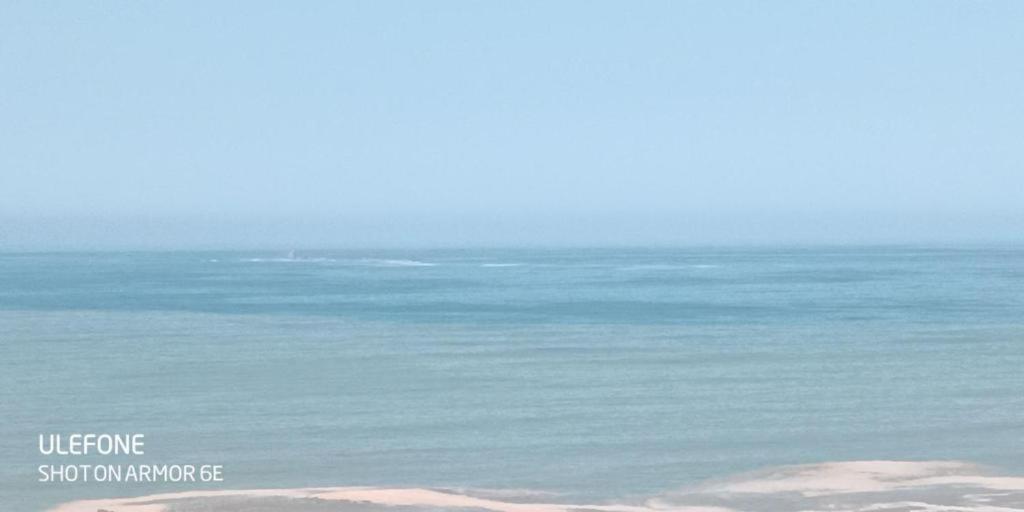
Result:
x=287 y=260
x=396 y=263
x=863 y=486
x=844 y=477
x=857 y=486
x=404 y=497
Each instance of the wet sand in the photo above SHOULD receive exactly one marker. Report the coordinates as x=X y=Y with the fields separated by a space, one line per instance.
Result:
x=861 y=486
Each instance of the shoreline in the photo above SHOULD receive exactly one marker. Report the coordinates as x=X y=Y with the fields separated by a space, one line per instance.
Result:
x=852 y=486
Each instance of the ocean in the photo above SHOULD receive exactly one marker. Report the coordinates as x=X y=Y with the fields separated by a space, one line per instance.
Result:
x=586 y=375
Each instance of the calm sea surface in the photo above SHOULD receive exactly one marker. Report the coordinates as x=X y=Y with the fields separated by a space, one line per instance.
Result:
x=595 y=373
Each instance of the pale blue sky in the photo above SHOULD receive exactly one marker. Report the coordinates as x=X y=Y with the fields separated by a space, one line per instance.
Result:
x=362 y=123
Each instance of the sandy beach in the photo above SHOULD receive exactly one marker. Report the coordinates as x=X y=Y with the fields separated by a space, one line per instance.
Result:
x=859 y=486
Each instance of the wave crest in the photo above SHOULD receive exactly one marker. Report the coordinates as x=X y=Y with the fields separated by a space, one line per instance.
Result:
x=858 y=486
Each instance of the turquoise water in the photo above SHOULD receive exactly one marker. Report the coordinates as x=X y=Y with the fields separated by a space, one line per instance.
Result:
x=594 y=373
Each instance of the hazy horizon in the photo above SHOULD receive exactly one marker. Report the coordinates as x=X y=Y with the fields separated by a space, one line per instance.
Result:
x=196 y=125
x=63 y=234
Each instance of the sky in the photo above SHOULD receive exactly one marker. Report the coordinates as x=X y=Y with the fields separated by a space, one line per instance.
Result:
x=335 y=124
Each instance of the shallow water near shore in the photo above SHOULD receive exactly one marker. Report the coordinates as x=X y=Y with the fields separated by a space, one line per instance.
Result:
x=849 y=486
x=594 y=377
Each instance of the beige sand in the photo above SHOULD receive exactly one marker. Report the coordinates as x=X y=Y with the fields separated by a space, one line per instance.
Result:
x=860 y=486
x=412 y=497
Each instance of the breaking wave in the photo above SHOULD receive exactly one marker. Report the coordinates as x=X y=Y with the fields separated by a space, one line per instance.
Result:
x=859 y=486
x=364 y=262
x=397 y=263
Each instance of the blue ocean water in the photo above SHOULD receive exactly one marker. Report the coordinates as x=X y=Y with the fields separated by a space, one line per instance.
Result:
x=595 y=373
